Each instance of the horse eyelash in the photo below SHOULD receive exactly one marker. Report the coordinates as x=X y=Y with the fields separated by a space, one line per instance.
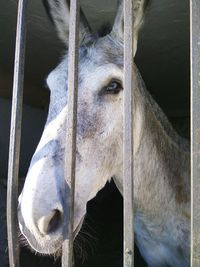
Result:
x=103 y=89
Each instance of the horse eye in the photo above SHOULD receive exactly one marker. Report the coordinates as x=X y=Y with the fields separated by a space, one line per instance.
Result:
x=114 y=87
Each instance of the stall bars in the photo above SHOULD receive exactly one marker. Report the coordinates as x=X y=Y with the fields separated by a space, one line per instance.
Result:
x=195 y=130
x=15 y=133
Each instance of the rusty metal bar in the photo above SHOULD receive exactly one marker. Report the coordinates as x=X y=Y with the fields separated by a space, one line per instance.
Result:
x=195 y=131
x=70 y=159
x=15 y=136
x=128 y=164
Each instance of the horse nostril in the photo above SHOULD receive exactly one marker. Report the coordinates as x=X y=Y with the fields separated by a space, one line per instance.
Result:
x=50 y=223
x=55 y=221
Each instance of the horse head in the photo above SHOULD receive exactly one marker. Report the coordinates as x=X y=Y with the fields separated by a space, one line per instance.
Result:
x=99 y=130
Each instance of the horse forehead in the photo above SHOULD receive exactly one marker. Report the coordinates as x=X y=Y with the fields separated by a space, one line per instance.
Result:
x=102 y=52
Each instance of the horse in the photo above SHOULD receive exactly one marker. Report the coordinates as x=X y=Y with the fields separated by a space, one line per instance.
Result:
x=161 y=156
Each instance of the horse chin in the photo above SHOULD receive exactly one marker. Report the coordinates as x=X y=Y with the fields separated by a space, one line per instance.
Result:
x=78 y=228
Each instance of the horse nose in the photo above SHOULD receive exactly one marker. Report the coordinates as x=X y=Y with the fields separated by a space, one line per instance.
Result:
x=51 y=222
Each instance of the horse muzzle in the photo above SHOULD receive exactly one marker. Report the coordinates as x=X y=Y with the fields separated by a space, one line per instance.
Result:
x=44 y=235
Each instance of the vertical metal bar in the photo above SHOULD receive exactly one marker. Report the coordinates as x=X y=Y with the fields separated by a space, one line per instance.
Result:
x=15 y=136
x=128 y=135
x=70 y=160
x=195 y=131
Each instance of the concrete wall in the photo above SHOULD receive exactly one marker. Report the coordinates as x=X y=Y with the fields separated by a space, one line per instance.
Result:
x=32 y=127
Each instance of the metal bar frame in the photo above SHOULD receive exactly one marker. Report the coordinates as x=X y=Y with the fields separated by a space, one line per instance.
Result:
x=15 y=136
x=70 y=155
x=128 y=149
x=70 y=160
x=128 y=167
x=195 y=131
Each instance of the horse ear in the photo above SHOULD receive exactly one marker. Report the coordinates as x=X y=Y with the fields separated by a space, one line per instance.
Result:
x=59 y=14
x=139 y=9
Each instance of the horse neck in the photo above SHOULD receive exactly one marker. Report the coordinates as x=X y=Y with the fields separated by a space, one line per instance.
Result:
x=161 y=160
